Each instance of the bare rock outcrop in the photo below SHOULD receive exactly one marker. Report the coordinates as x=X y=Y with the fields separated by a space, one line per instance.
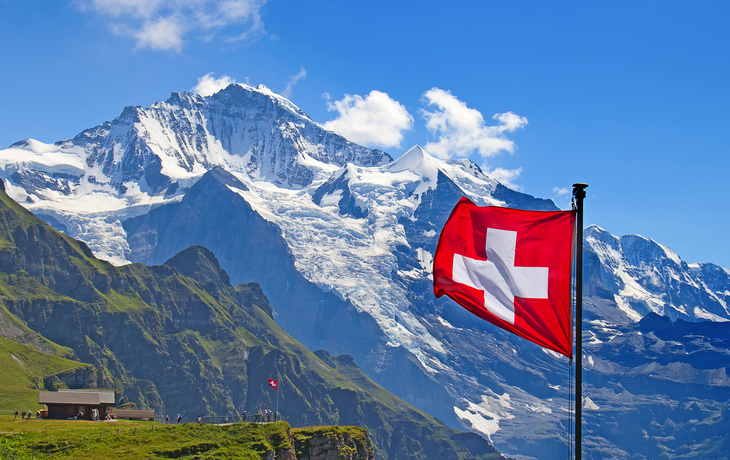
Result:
x=332 y=443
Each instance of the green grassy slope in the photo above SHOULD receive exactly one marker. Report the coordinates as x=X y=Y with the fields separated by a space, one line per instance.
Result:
x=94 y=440
x=24 y=371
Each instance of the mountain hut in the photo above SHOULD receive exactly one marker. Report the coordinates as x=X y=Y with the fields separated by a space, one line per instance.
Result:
x=77 y=404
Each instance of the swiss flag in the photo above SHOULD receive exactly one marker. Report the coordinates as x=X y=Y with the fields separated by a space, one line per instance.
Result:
x=510 y=267
x=274 y=383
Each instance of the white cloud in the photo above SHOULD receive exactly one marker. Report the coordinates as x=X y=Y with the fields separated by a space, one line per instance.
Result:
x=375 y=120
x=240 y=9
x=163 y=24
x=208 y=86
x=505 y=176
x=560 y=191
x=293 y=81
x=461 y=131
x=161 y=34
x=144 y=9
x=509 y=121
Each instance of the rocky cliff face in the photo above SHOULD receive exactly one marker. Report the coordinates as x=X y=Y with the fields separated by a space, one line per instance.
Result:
x=76 y=378
x=655 y=387
x=332 y=443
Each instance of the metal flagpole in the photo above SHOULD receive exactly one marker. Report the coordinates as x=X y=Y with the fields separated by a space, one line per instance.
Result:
x=579 y=193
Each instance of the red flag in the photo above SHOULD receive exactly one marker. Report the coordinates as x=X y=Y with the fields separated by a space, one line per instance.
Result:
x=274 y=384
x=510 y=267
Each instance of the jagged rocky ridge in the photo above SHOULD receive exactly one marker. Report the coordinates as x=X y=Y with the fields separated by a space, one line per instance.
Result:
x=644 y=276
x=179 y=338
x=345 y=261
x=160 y=148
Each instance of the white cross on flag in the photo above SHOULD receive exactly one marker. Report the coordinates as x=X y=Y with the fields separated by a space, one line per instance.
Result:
x=510 y=267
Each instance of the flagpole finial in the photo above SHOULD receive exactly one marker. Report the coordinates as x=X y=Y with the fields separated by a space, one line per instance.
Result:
x=579 y=188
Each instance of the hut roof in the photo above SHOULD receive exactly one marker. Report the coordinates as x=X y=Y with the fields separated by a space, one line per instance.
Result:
x=79 y=397
x=105 y=396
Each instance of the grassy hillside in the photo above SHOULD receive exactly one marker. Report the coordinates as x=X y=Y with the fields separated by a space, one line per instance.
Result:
x=95 y=440
x=24 y=372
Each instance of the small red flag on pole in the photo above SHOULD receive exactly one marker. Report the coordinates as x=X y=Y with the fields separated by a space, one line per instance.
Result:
x=274 y=384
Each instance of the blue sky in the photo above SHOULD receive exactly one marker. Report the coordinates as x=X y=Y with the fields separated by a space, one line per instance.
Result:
x=629 y=97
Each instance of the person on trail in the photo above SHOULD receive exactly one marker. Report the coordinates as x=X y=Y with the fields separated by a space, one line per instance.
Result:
x=16 y=414
x=244 y=416
x=200 y=419
x=179 y=419
x=22 y=417
x=167 y=420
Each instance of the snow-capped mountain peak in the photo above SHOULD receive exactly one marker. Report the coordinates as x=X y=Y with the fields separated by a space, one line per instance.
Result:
x=167 y=147
x=418 y=161
x=645 y=276
x=36 y=155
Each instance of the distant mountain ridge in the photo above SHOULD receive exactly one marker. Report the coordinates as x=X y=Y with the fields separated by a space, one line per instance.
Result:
x=644 y=276
x=341 y=240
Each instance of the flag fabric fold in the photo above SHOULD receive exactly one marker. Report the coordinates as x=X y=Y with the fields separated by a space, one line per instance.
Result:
x=510 y=267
